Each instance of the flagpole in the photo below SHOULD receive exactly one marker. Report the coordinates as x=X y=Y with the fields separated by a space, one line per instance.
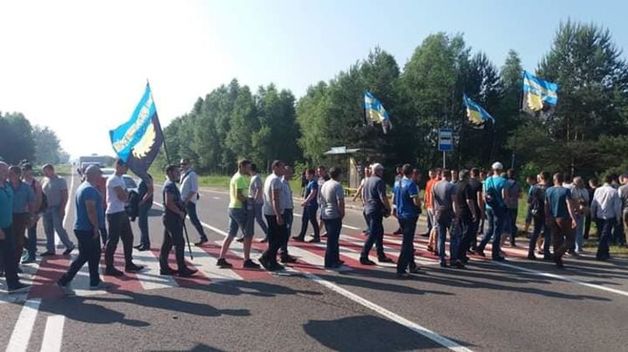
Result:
x=160 y=129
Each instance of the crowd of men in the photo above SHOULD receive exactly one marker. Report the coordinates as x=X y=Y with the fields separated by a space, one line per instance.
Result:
x=469 y=207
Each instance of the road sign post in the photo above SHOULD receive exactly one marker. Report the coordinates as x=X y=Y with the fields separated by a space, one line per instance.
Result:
x=445 y=142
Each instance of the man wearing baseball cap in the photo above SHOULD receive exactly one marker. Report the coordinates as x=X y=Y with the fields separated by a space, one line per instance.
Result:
x=495 y=191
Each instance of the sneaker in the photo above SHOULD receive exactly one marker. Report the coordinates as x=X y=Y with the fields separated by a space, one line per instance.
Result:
x=531 y=256
x=113 y=272
x=366 y=261
x=403 y=276
x=132 y=268
x=48 y=254
x=66 y=289
x=415 y=270
x=249 y=264
x=385 y=259
x=288 y=259
x=264 y=240
x=201 y=242
x=167 y=271
x=559 y=263
x=19 y=288
x=314 y=240
x=223 y=263
x=298 y=238
x=276 y=267
x=186 y=272
x=499 y=259
x=29 y=260
x=457 y=264
x=69 y=250
x=240 y=239
x=265 y=263
x=443 y=263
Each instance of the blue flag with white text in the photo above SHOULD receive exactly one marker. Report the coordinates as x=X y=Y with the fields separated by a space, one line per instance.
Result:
x=138 y=140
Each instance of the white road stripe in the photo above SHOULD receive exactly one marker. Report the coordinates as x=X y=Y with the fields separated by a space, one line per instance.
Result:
x=150 y=277
x=24 y=326
x=564 y=278
x=452 y=345
x=53 y=334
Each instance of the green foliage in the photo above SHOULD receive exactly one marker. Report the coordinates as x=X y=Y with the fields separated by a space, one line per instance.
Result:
x=47 y=146
x=16 y=138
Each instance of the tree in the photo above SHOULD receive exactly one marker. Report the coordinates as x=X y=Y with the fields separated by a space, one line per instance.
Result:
x=47 y=146
x=16 y=138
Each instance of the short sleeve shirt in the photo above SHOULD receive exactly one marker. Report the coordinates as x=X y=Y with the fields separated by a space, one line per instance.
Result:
x=171 y=188
x=272 y=183
x=443 y=192
x=513 y=194
x=331 y=193
x=142 y=190
x=23 y=195
x=557 y=201
x=238 y=183
x=476 y=187
x=256 y=187
x=52 y=188
x=189 y=183
x=84 y=193
x=6 y=206
x=405 y=192
x=286 y=195
x=496 y=183
x=623 y=194
x=311 y=187
x=375 y=191
x=114 y=204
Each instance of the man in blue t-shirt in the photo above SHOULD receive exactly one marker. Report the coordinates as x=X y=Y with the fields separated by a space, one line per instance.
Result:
x=560 y=218
x=495 y=191
x=408 y=205
x=310 y=207
x=90 y=218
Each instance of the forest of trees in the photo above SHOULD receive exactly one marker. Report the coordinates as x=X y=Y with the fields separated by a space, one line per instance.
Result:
x=19 y=140
x=587 y=133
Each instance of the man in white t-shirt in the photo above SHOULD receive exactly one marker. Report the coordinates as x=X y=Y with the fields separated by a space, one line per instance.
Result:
x=189 y=195
x=118 y=221
x=274 y=213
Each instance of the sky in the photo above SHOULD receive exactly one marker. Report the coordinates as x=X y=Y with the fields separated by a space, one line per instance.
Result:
x=80 y=67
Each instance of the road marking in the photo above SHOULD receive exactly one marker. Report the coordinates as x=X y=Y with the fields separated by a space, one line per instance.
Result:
x=452 y=345
x=563 y=278
x=343 y=225
x=53 y=334
x=216 y=198
x=150 y=278
x=24 y=326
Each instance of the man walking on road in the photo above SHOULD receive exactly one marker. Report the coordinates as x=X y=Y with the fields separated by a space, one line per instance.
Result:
x=145 y=191
x=467 y=216
x=478 y=204
x=408 y=205
x=189 y=192
x=445 y=210
x=240 y=217
x=495 y=191
x=7 y=240
x=119 y=224
x=90 y=218
x=56 y=191
x=31 y=246
x=606 y=212
x=288 y=206
x=23 y=209
x=333 y=208
x=536 y=198
x=560 y=217
x=512 y=205
x=310 y=207
x=376 y=207
x=256 y=193
x=173 y=218
x=274 y=212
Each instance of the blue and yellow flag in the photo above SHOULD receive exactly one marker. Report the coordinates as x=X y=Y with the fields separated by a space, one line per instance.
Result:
x=539 y=96
x=476 y=114
x=138 y=140
x=374 y=112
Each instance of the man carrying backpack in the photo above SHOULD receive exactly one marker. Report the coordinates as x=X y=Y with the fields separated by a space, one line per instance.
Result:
x=495 y=191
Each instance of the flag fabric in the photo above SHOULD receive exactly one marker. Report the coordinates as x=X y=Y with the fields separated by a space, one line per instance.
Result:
x=374 y=112
x=476 y=114
x=539 y=96
x=137 y=141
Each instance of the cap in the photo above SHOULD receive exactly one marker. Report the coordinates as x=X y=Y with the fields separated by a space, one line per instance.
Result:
x=497 y=166
x=93 y=170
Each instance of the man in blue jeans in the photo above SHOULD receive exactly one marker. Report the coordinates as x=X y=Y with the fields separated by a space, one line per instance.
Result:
x=56 y=190
x=606 y=212
x=333 y=211
x=495 y=191
x=189 y=192
x=443 y=198
x=31 y=247
x=90 y=218
x=310 y=207
x=408 y=205
x=376 y=207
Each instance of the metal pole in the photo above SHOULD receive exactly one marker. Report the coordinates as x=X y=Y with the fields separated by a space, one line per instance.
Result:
x=443 y=159
x=187 y=239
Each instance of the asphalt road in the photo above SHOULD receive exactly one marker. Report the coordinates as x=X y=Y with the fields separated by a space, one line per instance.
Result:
x=516 y=306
